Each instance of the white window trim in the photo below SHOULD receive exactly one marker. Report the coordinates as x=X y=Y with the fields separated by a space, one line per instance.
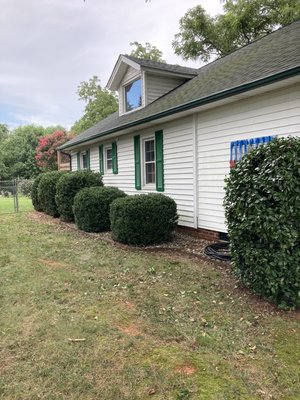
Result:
x=151 y=186
x=136 y=78
x=107 y=171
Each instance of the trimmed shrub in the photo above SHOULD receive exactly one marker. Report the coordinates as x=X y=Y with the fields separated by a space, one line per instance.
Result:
x=262 y=205
x=67 y=187
x=91 y=208
x=47 y=192
x=143 y=219
x=34 y=193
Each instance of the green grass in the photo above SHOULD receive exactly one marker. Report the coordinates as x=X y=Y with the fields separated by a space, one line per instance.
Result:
x=7 y=204
x=151 y=323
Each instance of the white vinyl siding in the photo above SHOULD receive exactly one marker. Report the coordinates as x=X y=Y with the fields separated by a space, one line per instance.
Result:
x=124 y=180
x=157 y=86
x=273 y=113
x=130 y=75
x=178 y=165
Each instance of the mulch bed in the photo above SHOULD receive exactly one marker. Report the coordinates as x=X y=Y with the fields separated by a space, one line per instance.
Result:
x=180 y=243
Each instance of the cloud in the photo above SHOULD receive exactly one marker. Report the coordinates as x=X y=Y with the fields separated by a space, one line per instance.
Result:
x=48 y=47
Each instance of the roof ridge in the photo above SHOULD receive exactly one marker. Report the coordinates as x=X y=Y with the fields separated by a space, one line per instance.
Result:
x=163 y=64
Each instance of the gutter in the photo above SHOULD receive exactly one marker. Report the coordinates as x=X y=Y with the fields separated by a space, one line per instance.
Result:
x=196 y=103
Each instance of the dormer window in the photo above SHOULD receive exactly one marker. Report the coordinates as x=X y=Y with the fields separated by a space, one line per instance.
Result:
x=140 y=82
x=133 y=95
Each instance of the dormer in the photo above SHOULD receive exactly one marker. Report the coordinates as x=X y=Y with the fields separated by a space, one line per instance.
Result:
x=139 y=82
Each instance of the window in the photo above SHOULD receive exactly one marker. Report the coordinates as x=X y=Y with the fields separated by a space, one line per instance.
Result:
x=108 y=159
x=133 y=95
x=149 y=161
x=84 y=161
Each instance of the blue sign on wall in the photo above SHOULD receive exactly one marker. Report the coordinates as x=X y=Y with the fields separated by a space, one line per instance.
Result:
x=239 y=148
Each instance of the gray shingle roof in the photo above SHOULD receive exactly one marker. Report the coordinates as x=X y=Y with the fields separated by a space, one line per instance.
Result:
x=271 y=56
x=174 y=68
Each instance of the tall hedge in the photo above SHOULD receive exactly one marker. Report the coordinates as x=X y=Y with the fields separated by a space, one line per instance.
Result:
x=262 y=205
x=34 y=193
x=47 y=192
x=91 y=208
x=143 y=219
x=67 y=187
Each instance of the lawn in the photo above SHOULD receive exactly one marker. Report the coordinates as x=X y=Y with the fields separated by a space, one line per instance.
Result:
x=81 y=319
x=7 y=204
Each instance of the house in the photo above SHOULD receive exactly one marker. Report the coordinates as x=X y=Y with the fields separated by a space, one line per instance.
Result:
x=178 y=128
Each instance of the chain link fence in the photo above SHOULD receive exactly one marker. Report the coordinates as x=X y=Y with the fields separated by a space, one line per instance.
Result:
x=15 y=195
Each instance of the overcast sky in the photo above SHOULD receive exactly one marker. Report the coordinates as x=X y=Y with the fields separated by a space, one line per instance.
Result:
x=47 y=47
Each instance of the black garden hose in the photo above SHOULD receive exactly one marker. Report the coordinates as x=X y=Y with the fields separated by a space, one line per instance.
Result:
x=219 y=251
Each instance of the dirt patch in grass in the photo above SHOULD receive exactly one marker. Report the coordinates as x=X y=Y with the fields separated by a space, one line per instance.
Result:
x=8 y=360
x=186 y=370
x=130 y=330
x=28 y=325
x=41 y=217
x=130 y=305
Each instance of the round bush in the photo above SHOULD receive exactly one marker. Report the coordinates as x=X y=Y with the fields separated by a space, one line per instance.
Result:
x=143 y=219
x=47 y=192
x=262 y=205
x=91 y=208
x=67 y=187
x=34 y=193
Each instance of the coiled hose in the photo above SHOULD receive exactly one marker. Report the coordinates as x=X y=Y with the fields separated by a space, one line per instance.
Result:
x=219 y=251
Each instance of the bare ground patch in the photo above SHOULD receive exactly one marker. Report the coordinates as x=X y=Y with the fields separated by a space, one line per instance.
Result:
x=130 y=330
x=186 y=370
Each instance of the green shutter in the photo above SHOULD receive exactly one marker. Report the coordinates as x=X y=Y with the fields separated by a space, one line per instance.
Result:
x=78 y=161
x=114 y=151
x=88 y=160
x=101 y=161
x=137 y=162
x=159 y=161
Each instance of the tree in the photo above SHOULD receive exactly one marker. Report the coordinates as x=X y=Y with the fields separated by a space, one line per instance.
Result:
x=46 y=151
x=148 y=52
x=100 y=104
x=4 y=132
x=203 y=37
x=17 y=152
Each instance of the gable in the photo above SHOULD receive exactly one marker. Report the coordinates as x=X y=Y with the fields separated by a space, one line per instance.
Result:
x=130 y=74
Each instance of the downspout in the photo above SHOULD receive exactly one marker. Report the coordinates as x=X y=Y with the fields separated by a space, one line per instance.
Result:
x=70 y=158
x=195 y=169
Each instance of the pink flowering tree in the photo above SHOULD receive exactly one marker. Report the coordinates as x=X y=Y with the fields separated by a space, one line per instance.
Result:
x=46 y=151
